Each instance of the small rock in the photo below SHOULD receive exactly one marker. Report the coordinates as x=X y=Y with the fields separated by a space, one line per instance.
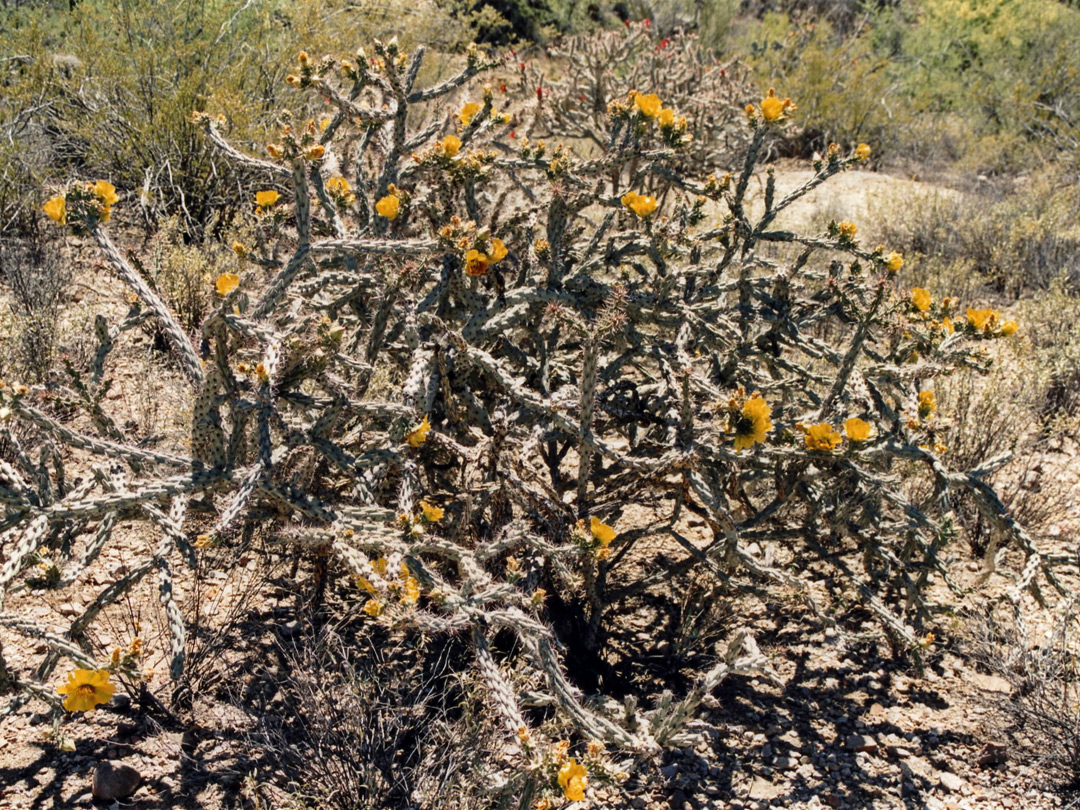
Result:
x=862 y=742
x=951 y=782
x=120 y=702
x=993 y=753
x=114 y=780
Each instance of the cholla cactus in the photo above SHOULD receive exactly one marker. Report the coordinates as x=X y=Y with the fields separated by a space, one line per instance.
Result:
x=565 y=334
x=625 y=71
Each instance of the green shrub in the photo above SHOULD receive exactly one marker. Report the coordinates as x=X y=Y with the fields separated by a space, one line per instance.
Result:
x=111 y=86
x=990 y=84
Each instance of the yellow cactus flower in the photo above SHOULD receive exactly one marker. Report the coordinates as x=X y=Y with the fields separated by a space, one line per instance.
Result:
x=771 y=108
x=666 y=118
x=822 y=437
x=573 y=780
x=56 y=208
x=227 y=282
x=752 y=423
x=373 y=607
x=468 y=111
x=106 y=191
x=947 y=325
x=364 y=584
x=847 y=231
x=388 y=206
x=774 y=108
x=640 y=204
x=921 y=299
x=1009 y=328
x=338 y=186
x=857 y=429
x=862 y=151
x=274 y=150
x=86 y=689
x=450 y=145
x=239 y=249
x=983 y=319
x=315 y=152
x=418 y=435
x=205 y=541
x=603 y=533
x=648 y=105
x=927 y=404
x=498 y=251
x=432 y=514
x=262 y=373
x=410 y=591
x=894 y=261
x=264 y=199
x=476 y=263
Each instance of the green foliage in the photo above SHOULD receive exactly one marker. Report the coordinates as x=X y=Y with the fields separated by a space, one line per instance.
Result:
x=841 y=84
x=109 y=89
x=993 y=84
x=504 y=21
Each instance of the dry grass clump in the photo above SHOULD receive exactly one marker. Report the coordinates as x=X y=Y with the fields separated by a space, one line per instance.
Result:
x=1042 y=706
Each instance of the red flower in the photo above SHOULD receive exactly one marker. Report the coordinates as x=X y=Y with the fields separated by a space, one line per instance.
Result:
x=539 y=93
x=521 y=66
x=513 y=133
x=502 y=88
x=664 y=42
x=646 y=22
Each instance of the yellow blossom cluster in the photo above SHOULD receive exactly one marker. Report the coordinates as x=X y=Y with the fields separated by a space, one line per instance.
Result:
x=477 y=262
x=640 y=204
x=384 y=579
x=341 y=191
x=773 y=108
x=987 y=322
x=598 y=537
x=98 y=197
x=823 y=437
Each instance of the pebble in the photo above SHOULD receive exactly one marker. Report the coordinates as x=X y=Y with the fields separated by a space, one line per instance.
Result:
x=862 y=742
x=114 y=780
x=951 y=782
